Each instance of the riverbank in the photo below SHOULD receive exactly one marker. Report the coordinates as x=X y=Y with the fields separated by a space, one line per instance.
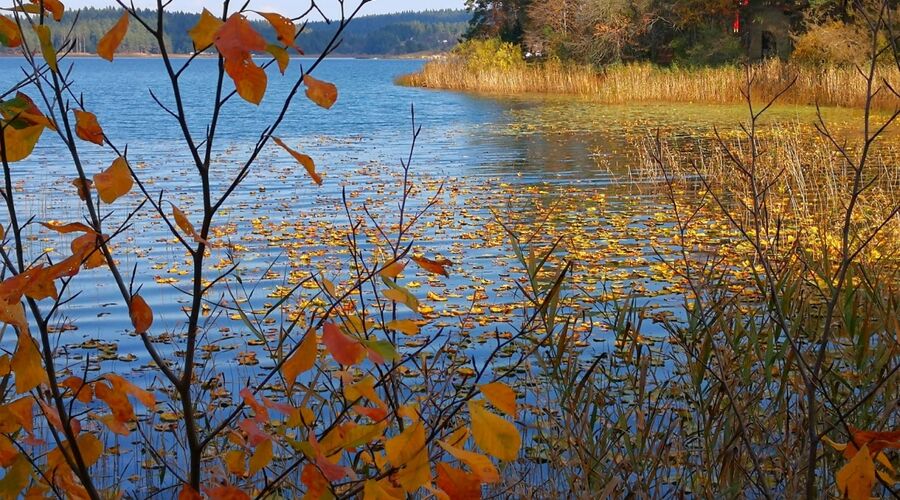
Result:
x=642 y=82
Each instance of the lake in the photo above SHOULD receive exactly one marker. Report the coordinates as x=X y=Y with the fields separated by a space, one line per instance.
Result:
x=516 y=158
x=551 y=167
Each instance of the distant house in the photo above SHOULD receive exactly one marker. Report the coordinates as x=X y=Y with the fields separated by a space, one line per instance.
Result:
x=766 y=26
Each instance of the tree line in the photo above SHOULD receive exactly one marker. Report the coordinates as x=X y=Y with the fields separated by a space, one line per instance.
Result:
x=686 y=31
x=377 y=35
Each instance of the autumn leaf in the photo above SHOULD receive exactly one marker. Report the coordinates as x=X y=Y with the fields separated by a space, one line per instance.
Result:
x=72 y=227
x=403 y=296
x=343 y=348
x=203 y=34
x=235 y=40
x=261 y=415
x=47 y=50
x=285 y=29
x=381 y=490
x=261 y=457
x=54 y=7
x=87 y=128
x=17 y=477
x=182 y=221
x=236 y=462
x=120 y=384
x=281 y=56
x=26 y=364
x=301 y=360
x=303 y=159
x=80 y=390
x=501 y=396
x=10 y=35
x=393 y=269
x=433 y=266
x=20 y=142
x=322 y=93
x=83 y=187
x=188 y=493
x=226 y=493
x=495 y=435
x=107 y=45
x=457 y=483
x=408 y=450
x=141 y=314
x=250 y=80
x=86 y=248
x=114 y=182
x=480 y=464
x=857 y=477
x=407 y=326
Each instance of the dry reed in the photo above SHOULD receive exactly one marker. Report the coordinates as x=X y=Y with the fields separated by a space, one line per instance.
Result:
x=642 y=82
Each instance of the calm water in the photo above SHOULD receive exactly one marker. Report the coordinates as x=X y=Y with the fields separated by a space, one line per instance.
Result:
x=518 y=157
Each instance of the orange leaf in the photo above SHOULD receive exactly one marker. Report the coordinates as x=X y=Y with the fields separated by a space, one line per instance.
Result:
x=261 y=415
x=114 y=182
x=204 y=32
x=52 y=417
x=480 y=464
x=501 y=396
x=315 y=482
x=83 y=187
x=26 y=364
x=458 y=484
x=235 y=40
x=47 y=49
x=86 y=248
x=107 y=45
x=87 y=128
x=117 y=401
x=226 y=493
x=71 y=227
x=236 y=462
x=284 y=28
x=304 y=160
x=856 y=479
x=302 y=360
x=141 y=314
x=433 y=266
x=409 y=451
x=875 y=440
x=254 y=433
x=249 y=79
x=54 y=7
x=188 y=493
x=121 y=385
x=345 y=349
x=10 y=35
x=80 y=390
x=322 y=93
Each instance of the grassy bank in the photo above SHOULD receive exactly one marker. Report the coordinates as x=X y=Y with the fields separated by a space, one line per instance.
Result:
x=827 y=86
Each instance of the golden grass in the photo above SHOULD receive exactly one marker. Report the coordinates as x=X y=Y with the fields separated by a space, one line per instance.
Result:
x=642 y=82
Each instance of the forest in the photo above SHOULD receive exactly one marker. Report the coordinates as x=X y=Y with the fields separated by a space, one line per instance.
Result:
x=376 y=35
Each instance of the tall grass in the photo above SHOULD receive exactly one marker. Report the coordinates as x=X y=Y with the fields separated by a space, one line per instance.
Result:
x=643 y=82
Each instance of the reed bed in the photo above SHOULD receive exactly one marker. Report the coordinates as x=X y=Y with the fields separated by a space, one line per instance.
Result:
x=643 y=82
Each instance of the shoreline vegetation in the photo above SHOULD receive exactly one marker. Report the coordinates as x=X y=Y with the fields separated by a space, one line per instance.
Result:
x=828 y=85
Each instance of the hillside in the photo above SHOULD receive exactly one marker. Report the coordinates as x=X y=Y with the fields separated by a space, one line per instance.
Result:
x=378 y=35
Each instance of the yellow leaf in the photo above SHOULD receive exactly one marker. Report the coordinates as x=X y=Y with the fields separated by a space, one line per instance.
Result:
x=204 y=32
x=381 y=490
x=114 y=182
x=408 y=450
x=284 y=28
x=47 y=50
x=406 y=326
x=322 y=93
x=281 y=56
x=107 y=45
x=17 y=477
x=403 y=296
x=26 y=364
x=20 y=142
x=261 y=457
x=856 y=479
x=501 y=396
x=480 y=464
x=235 y=462
x=182 y=221
x=302 y=360
x=303 y=159
x=393 y=269
x=495 y=435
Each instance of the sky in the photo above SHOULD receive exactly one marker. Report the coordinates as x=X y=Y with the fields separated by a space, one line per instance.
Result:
x=288 y=7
